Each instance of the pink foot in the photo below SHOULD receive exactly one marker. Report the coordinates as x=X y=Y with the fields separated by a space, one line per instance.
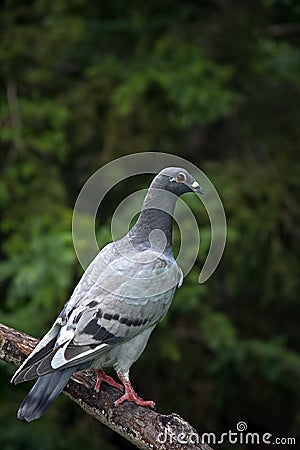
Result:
x=131 y=396
x=101 y=376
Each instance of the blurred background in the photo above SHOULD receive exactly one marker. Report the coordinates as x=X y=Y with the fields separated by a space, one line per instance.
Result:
x=216 y=82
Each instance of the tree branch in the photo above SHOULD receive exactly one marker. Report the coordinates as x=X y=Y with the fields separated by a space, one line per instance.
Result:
x=143 y=427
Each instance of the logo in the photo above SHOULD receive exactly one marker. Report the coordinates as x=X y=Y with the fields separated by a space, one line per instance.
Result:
x=241 y=436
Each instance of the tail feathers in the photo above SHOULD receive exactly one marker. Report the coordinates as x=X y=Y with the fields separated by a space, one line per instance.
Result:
x=36 y=366
x=42 y=395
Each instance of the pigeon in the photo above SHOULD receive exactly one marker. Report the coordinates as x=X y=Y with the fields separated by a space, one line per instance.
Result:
x=126 y=290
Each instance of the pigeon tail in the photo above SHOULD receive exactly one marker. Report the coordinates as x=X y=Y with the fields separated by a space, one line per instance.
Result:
x=42 y=395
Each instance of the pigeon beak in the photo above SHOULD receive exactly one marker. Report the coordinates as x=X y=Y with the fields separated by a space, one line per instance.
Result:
x=195 y=187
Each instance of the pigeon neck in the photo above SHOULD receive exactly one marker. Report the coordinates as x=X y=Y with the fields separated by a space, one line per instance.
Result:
x=157 y=214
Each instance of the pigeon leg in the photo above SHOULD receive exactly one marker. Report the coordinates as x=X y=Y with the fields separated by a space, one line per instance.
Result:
x=101 y=376
x=130 y=394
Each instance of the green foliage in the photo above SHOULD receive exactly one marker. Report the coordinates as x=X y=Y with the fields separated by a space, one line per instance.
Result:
x=86 y=82
x=281 y=61
x=37 y=279
x=192 y=85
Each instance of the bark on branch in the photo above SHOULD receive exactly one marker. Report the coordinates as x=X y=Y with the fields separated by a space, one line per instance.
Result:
x=143 y=427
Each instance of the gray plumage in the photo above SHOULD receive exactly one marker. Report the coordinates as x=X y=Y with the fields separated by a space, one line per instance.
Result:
x=42 y=395
x=125 y=291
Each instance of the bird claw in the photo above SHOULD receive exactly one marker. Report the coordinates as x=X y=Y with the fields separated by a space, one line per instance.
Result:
x=130 y=397
x=102 y=376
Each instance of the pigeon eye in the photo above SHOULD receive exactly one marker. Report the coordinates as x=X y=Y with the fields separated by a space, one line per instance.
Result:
x=181 y=177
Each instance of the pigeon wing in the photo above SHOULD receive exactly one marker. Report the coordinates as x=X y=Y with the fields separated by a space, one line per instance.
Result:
x=111 y=315
x=113 y=302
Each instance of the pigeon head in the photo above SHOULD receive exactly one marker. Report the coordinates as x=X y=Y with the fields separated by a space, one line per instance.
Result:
x=176 y=180
x=158 y=208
